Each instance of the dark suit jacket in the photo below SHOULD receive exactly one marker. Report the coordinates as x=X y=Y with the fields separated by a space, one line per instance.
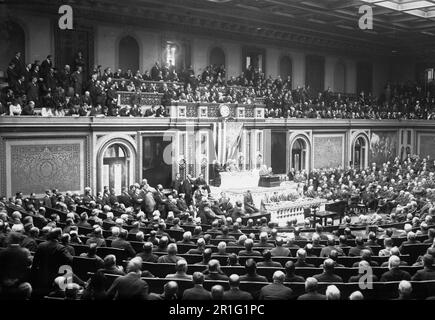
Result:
x=312 y=296
x=276 y=291
x=253 y=278
x=216 y=276
x=237 y=294
x=49 y=257
x=294 y=278
x=129 y=287
x=196 y=293
x=325 y=277
x=303 y=264
x=425 y=274
x=123 y=244
x=357 y=277
x=395 y=275
x=14 y=263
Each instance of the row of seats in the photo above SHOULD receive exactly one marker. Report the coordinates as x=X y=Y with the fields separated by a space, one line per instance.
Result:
x=82 y=265
x=379 y=291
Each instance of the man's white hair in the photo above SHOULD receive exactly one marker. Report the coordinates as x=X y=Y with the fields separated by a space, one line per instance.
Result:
x=405 y=287
x=356 y=295
x=115 y=231
x=17 y=228
x=332 y=293
x=393 y=262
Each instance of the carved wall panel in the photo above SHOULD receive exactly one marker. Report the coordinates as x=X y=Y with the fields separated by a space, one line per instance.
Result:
x=36 y=165
x=328 y=151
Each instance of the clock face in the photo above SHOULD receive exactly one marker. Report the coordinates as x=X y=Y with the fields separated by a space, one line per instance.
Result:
x=224 y=111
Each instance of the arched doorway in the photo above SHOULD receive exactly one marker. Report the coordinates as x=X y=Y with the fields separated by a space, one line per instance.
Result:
x=12 y=40
x=360 y=153
x=285 y=67
x=217 y=57
x=116 y=167
x=299 y=155
x=340 y=77
x=128 y=54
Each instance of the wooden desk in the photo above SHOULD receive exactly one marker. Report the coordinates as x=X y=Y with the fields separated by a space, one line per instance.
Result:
x=323 y=215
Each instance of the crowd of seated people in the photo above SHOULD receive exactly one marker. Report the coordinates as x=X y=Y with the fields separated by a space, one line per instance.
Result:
x=76 y=91
x=182 y=243
x=396 y=187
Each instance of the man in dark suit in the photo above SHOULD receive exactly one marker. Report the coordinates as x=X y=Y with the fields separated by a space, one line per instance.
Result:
x=125 y=198
x=170 y=290
x=279 y=250
x=234 y=293
x=311 y=285
x=176 y=183
x=12 y=75
x=197 y=292
x=15 y=260
x=17 y=60
x=225 y=204
x=146 y=254
x=33 y=91
x=302 y=256
x=122 y=243
x=171 y=257
x=47 y=199
x=186 y=188
x=237 y=211
x=249 y=244
x=267 y=255
x=276 y=290
x=77 y=80
x=328 y=274
x=395 y=274
x=130 y=286
x=362 y=267
x=428 y=273
x=248 y=202
x=359 y=246
x=290 y=275
x=214 y=271
x=48 y=259
x=251 y=272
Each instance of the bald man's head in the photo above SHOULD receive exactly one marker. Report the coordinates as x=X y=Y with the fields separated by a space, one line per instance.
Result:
x=234 y=280
x=170 y=288
x=217 y=292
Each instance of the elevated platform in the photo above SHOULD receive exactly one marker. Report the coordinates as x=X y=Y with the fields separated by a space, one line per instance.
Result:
x=259 y=194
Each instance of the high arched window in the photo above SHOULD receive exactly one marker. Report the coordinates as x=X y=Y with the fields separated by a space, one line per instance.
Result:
x=360 y=153
x=128 y=54
x=116 y=167
x=299 y=155
x=285 y=67
x=340 y=77
x=217 y=57
x=12 y=40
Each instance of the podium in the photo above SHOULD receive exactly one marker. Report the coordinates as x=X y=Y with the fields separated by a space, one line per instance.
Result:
x=269 y=181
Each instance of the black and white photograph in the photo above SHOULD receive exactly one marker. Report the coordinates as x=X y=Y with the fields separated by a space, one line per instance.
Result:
x=226 y=151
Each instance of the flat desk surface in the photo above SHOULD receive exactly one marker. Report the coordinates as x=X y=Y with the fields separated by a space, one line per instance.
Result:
x=323 y=214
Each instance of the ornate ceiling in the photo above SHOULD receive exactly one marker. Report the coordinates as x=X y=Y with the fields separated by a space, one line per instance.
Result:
x=400 y=27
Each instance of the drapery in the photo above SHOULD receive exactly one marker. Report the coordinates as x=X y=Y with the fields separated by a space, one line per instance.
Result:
x=233 y=136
